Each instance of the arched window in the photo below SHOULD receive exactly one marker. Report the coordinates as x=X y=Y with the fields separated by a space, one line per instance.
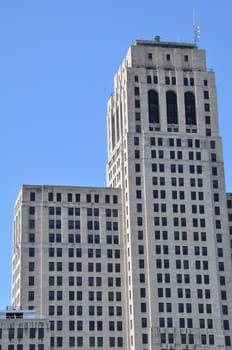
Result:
x=153 y=106
x=172 y=114
x=190 y=108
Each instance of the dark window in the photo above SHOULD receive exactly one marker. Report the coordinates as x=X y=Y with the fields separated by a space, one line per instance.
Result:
x=137 y=103
x=167 y=80
x=185 y=81
x=79 y=341
x=171 y=101
x=191 y=81
x=148 y=79
x=138 y=128
x=211 y=339
x=41 y=333
x=137 y=167
x=190 y=108
x=143 y=307
x=136 y=90
x=173 y=80
x=77 y=197
x=50 y=196
x=227 y=340
x=20 y=333
x=32 y=224
x=88 y=198
x=31 y=252
x=206 y=94
x=31 y=237
x=136 y=143
x=32 y=196
x=31 y=281
x=226 y=324
x=32 y=333
x=144 y=338
x=153 y=106
x=69 y=197
x=31 y=210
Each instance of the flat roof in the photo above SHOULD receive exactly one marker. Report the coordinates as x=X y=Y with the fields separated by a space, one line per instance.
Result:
x=157 y=42
x=16 y=313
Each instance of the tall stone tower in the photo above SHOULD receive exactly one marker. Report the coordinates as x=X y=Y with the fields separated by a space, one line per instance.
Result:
x=165 y=153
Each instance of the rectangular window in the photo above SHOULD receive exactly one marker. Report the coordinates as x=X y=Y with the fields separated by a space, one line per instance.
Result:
x=173 y=80
x=207 y=107
x=136 y=90
x=137 y=103
x=69 y=197
x=167 y=80
x=206 y=94
x=50 y=196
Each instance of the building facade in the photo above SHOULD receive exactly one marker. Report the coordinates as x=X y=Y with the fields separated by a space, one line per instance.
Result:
x=165 y=153
x=144 y=264
x=68 y=264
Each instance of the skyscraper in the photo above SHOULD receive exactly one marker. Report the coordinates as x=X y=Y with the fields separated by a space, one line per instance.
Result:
x=163 y=131
x=145 y=263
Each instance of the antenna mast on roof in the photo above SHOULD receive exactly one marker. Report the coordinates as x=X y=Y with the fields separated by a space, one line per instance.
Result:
x=196 y=30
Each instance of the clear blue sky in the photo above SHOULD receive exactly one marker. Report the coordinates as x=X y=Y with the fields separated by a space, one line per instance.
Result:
x=57 y=62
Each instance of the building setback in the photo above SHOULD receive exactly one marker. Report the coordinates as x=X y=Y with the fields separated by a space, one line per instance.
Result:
x=144 y=264
x=21 y=329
